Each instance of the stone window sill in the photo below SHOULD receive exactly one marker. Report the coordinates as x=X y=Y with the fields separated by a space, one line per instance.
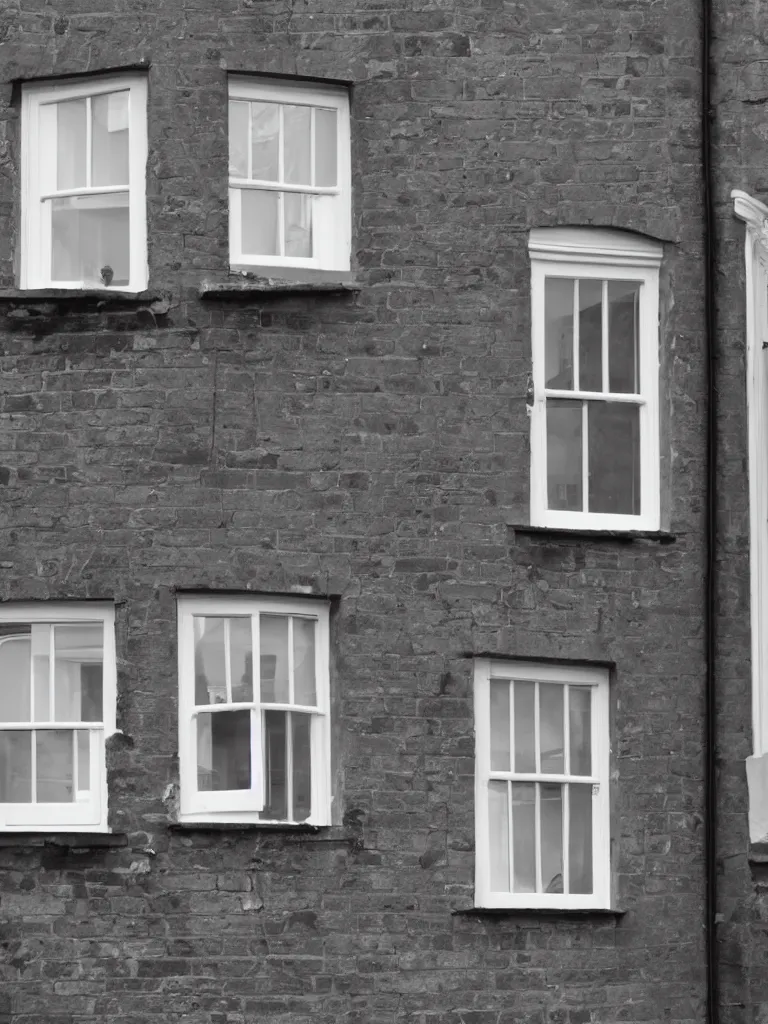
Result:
x=248 y=285
x=596 y=912
x=28 y=302
x=622 y=536
x=67 y=840
x=315 y=833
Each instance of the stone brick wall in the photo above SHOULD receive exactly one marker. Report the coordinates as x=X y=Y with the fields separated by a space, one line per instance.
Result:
x=373 y=447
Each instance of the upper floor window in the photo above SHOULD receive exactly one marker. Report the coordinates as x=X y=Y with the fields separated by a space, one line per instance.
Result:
x=542 y=834
x=254 y=736
x=289 y=175
x=57 y=706
x=84 y=155
x=595 y=414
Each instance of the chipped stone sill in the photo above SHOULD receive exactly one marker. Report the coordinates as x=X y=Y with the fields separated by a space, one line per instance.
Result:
x=623 y=536
x=244 y=286
x=313 y=833
x=38 y=299
x=561 y=912
x=66 y=840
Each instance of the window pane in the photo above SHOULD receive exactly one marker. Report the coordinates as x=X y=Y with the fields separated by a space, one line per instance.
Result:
x=525 y=752
x=15 y=670
x=238 y=140
x=304 y=661
x=551 y=726
x=210 y=673
x=302 y=766
x=500 y=753
x=241 y=659
x=297 y=210
x=325 y=147
x=274 y=659
x=223 y=750
x=558 y=332
x=614 y=458
x=90 y=239
x=83 y=760
x=580 y=718
x=77 y=672
x=55 y=766
x=524 y=836
x=275 y=767
x=264 y=141
x=623 y=321
x=260 y=225
x=564 y=454
x=590 y=335
x=498 y=835
x=109 y=141
x=15 y=767
x=70 y=144
x=41 y=672
x=296 y=145
x=551 y=813
x=580 y=839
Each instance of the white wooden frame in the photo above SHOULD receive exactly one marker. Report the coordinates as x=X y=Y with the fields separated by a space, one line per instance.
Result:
x=38 y=164
x=755 y=216
x=586 y=253
x=331 y=221
x=487 y=669
x=244 y=805
x=87 y=814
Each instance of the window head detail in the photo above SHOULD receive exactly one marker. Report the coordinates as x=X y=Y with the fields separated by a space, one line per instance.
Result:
x=253 y=719
x=57 y=706
x=594 y=419
x=542 y=774
x=84 y=155
x=289 y=175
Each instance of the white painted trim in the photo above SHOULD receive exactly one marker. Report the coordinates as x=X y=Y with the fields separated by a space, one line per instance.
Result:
x=597 y=255
x=755 y=216
x=331 y=208
x=244 y=806
x=90 y=815
x=487 y=669
x=38 y=158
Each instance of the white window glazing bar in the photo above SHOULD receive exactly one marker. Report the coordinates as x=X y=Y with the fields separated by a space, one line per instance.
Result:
x=28 y=726
x=249 y=133
x=576 y=338
x=289 y=765
x=312 y=144
x=290 y=661
x=88 y=142
x=566 y=805
x=536 y=736
x=52 y=673
x=537 y=834
x=510 y=839
x=566 y=730
x=585 y=456
x=75 y=773
x=33 y=767
x=228 y=660
x=592 y=396
x=264 y=186
x=540 y=777
x=281 y=178
x=96 y=190
x=604 y=337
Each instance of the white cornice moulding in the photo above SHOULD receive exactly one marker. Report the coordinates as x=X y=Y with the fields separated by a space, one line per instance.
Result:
x=594 y=245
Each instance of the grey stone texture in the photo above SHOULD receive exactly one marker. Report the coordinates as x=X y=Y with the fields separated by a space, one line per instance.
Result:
x=373 y=447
